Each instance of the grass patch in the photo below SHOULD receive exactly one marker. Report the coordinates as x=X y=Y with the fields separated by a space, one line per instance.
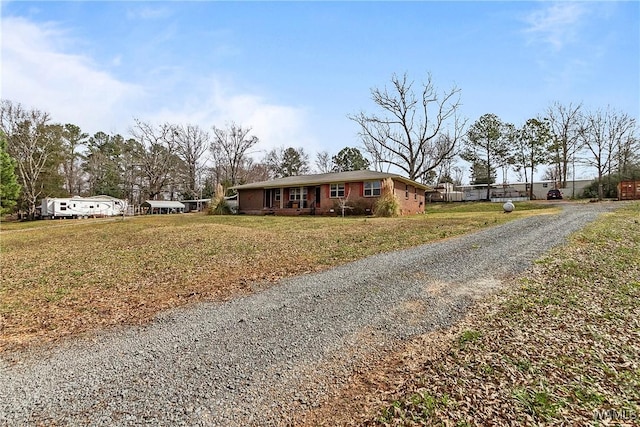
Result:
x=63 y=277
x=562 y=348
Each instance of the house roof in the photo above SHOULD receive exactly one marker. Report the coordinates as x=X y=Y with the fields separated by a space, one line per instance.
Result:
x=328 y=178
x=171 y=204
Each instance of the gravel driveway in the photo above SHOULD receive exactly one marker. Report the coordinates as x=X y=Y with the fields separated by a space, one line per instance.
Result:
x=262 y=359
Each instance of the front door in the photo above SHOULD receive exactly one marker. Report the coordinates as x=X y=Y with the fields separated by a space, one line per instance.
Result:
x=318 y=192
x=267 y=199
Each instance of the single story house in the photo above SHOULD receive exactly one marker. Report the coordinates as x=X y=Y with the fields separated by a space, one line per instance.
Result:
x=156 y=207
x=325 y=194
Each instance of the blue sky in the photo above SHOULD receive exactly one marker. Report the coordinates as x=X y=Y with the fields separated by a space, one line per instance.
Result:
x=294 y=70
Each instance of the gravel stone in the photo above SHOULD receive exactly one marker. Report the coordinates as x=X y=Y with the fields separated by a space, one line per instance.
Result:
x=265 y=358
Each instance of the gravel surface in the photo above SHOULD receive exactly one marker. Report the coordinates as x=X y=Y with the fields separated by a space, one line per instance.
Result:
x=266 y=358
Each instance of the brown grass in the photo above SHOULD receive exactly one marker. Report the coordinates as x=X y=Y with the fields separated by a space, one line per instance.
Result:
x=561 y=347
x=61 y=278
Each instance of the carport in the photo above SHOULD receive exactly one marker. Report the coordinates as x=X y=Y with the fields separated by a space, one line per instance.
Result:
x=159 y=207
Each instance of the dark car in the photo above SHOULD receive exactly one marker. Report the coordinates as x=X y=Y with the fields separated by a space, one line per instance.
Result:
x=554 y=195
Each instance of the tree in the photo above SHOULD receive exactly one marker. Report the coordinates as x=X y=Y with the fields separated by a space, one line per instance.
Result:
x=103 y=165
x=349 y=159
x=158 y=160
x=230 y=147
x=30 y=141
x=564 y=123
x=480 y=174
x=532 y=147
x=191 y=144
x=323 y=162
x=72 y=140
x=287 y=162
x=487 y=144
x=9 y=187
x=607 y=134
x=414 y=133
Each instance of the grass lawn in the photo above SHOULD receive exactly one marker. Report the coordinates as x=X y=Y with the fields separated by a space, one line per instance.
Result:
x=69 y=276
x=560 y=347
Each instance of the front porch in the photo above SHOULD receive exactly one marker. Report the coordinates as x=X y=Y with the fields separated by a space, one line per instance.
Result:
x=303 y=200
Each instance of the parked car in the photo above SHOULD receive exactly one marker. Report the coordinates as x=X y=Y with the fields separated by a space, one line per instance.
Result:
x=554 y=195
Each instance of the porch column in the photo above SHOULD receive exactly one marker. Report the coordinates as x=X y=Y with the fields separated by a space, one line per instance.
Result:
x=281 y=197
x=301 y=197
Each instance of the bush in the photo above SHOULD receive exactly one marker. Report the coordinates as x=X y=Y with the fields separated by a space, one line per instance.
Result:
x=387 y=205
x=219 y=205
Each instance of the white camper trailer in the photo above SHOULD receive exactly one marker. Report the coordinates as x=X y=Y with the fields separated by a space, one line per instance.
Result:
x=80 y=207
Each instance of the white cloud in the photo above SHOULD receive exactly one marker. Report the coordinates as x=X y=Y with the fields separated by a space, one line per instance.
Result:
x=38 y=73
x=215 y=104
x=148 y=13
x=555 y=24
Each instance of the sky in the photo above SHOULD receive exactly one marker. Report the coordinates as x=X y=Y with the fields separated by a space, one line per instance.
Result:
x=294 y=71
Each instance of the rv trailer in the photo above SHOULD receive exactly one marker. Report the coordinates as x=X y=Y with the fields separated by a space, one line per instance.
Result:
x=81 y=207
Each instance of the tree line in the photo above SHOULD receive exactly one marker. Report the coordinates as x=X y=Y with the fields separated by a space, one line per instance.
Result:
x=420 y=132
x=41 y=158
x=415 y=129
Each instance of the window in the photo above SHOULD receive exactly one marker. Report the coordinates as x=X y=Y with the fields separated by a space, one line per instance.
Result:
x=406 y=191
x=372 y=188
x=294 y=193
x=415 y=193
x=545 y=185
x=336 y=190
x=276 y=194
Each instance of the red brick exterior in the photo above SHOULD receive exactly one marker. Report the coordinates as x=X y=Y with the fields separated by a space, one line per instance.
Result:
x=318 y=200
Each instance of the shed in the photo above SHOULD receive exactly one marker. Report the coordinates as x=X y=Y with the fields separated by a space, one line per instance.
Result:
x=154 y=207
x=629 y=190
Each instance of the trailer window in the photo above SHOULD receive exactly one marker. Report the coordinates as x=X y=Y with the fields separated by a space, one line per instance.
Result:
x=63 y=208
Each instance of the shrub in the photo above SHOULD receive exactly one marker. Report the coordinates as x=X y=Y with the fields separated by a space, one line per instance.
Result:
x=219 y=205
x=387 y=205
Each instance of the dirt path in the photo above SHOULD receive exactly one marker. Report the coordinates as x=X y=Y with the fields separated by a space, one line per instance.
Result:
x=268 y=358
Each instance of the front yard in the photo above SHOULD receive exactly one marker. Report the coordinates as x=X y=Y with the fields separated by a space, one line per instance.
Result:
x=560 y=347
x=61 y=278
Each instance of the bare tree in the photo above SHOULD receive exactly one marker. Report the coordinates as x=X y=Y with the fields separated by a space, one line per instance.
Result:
x=606 y=134
x=565 y=127
x=256 y=172
x=29 y=142
x=158 y=159
x=191 y=144
x=323 y=162
x=414 y=133
x=230 y=147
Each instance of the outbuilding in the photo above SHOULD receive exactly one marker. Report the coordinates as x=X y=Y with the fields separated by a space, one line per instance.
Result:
x=158 y=207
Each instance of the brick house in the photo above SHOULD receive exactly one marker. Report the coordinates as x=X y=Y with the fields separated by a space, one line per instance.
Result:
x=322 y=194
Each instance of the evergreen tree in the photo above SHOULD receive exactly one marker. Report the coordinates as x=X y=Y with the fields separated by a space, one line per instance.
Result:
x=9 y=187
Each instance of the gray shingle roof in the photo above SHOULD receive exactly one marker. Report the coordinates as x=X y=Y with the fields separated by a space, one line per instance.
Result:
x=327 y=178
